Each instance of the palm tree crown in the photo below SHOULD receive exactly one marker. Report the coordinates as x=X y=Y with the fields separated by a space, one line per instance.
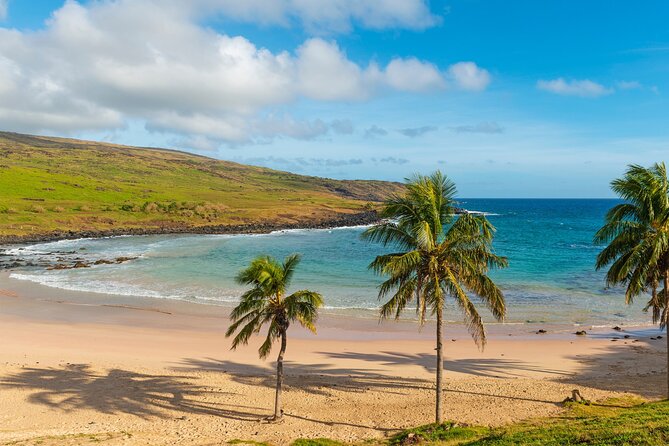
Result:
x=441 y=254
x=637 y=233
x=266 y=302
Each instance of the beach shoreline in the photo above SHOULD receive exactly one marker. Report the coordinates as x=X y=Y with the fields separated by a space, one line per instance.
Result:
x=342 y=220
x=164 y=371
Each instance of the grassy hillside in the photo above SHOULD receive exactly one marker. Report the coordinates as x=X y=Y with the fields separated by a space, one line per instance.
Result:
x=51 y=185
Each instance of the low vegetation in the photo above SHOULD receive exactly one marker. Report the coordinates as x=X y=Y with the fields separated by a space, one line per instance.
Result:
x=53 y=185
x=615 y=422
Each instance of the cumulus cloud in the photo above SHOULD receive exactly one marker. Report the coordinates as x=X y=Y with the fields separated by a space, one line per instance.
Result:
x=413 y=75
x=329 y=16
x=99 y=65
x=482 y=127
x=469 y=76
x=583 y=88
x=418 y=131
x=374 y=131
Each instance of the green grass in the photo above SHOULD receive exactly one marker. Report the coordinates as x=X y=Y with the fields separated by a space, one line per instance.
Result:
x=53 y=184
x=615 y=422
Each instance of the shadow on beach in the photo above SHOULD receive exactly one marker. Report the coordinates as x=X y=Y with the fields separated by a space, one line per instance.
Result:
x=631 y=365
x=77 y=386
x=323 y=379
x=485 y=367
x=317 y=379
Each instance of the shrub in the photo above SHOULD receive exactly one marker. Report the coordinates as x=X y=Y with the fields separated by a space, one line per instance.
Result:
x=37 y=209
x=59 y=209
x=150 y=207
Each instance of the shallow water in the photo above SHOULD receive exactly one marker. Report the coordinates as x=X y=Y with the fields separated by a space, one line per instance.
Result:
x=551 y=277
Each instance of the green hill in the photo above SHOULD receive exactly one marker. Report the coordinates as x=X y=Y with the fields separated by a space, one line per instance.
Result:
x=54 y=187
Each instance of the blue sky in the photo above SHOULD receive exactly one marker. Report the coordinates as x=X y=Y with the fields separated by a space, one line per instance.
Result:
x=511 y=99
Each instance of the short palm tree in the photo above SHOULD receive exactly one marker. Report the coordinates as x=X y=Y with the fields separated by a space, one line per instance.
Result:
x=637 y=234
x=439 y=256
x=266 y=303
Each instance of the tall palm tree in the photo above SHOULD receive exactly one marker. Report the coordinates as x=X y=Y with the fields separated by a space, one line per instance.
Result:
x=266 y=303
x=439 y=256
x=637 y=233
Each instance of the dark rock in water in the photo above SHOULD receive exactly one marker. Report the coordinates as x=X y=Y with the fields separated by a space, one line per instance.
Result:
x=81 y=265
x=616 y=328
x=541 y=331
x=124 y=259
x=626 y=336
x=581 y=333
x=58 y=266
x=659 y=337
x=103 y=262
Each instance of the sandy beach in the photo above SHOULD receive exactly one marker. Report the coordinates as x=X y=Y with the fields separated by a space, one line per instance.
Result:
x=79 y=369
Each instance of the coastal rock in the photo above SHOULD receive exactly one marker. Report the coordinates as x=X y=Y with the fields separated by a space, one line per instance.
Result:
x=341 y=220
x=581 y=333
x=124 y=259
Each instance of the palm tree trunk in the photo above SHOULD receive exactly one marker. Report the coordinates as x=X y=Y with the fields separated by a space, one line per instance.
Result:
x=666 y=325
x=278 y=413
x=440 y=363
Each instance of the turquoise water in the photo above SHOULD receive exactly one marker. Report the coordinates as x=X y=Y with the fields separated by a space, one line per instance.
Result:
x=551 y=277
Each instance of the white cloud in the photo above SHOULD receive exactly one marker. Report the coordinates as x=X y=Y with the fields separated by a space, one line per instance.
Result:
x=318 y=16
x=583 y=88
x=324 y=72
x=468 y=76
x=3 y=9
x=413 y=75
x=99 y=65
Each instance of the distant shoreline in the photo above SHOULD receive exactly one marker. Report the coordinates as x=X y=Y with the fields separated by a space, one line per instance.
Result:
x=356 y=219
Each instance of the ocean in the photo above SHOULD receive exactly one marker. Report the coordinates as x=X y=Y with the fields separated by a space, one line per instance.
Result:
x=551 y=276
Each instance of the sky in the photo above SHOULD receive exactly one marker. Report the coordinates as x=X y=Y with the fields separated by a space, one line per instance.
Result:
x=518 y=98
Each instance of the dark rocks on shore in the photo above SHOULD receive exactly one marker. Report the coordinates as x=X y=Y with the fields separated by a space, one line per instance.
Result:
x=616 y=328
x=362 y=218
x=581 y=333
x=541 y=331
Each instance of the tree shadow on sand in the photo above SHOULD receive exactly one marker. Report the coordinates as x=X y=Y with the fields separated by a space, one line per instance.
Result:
x=318 y=379
x=636 y=364
x=77 y=386
x=315 y=379
x=323 y=379
x=484 y=367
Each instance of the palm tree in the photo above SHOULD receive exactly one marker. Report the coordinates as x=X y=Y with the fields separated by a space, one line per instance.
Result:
x=637 y=233
x=439 y=256
x=266 y=303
